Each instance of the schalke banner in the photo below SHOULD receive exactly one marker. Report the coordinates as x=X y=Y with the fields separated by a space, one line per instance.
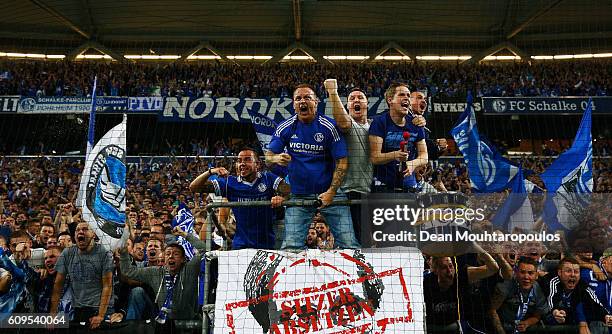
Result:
x=544 y=105
x=320 y=292
x=68 y=104
x=233 y=109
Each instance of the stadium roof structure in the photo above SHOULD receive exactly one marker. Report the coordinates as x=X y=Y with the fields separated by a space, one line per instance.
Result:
x=314 y=27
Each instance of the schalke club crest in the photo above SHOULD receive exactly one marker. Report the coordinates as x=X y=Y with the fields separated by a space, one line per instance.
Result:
x=105 y=192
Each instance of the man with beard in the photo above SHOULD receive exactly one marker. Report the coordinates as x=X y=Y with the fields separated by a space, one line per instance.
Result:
x=253 y=224
x=176 y=282
x=519 y=303
x=326 y=239
x=355 y=126
x=312 y=239
x=395 y=163
x=44 y=287
x=90 y=268
x=317 y=160
x=572 y=302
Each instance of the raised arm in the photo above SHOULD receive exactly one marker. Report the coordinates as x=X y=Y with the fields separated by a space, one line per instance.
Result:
x=489 y=268
x=202 y=185
x=131 y=272
x=340 y=115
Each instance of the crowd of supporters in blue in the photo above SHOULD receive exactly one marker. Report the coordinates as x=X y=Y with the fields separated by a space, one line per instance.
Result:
x=50 y=260
x=36 y=211
x=63 y=78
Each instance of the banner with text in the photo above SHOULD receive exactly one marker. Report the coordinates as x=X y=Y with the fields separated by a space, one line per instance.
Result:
x=233 y=109
x=9 y=103
x=68 y=104
x=343 y=291
x=450 y=105
x=544 y=105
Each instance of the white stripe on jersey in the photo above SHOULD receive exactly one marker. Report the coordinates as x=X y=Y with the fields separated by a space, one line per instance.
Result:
x=326 y=123
x=276 y=183
x=552 y=290
x=217 y=188
x=284 y=124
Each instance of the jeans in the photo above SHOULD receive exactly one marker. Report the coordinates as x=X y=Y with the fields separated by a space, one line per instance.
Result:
x=140 y=306
x=338 y=218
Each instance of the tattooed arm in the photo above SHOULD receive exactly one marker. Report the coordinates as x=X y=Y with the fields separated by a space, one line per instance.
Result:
x=339 y=174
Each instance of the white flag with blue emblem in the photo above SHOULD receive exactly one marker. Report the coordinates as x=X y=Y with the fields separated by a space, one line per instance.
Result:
x=184 y=219
x=103 y=181
x=488 y=170
x=569 y=179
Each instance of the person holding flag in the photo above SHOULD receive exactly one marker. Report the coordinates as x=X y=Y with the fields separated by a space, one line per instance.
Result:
x=253 y=224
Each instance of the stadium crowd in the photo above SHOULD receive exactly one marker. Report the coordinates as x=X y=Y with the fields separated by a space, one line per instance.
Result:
x=50 y=260
x=63 y=78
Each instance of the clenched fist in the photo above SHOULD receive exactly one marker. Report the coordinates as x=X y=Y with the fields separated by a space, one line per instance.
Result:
x=331 y=85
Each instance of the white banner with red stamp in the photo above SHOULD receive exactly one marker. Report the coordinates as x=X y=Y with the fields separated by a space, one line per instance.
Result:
x=343 y=291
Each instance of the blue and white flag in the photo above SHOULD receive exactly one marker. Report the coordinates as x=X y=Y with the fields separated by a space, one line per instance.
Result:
x=516 y=212
x=489 y=171
x=103 y=181
x=184 y=219
x=569 y=179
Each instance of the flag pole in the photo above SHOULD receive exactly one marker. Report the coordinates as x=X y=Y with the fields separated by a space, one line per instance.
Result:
x=90 y=136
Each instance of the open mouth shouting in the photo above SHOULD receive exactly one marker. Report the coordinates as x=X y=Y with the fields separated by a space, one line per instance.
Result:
x=571 y=283
x=422 y=105
x=50 y=267
x=303 y=108
x=172 y=264
x=81 y=239
x=405 y=105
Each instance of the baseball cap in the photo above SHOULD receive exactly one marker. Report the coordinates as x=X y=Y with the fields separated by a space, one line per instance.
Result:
x=607 y=253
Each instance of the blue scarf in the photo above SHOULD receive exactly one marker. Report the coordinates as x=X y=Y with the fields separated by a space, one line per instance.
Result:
x=169 y=282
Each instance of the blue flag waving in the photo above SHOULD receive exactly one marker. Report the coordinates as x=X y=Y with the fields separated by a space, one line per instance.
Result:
x=184 y=219
x=488 y=170
x=516 y=212
x=569 y=179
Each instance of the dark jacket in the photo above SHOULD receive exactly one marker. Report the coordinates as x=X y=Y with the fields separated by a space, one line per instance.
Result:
x=185 y=298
